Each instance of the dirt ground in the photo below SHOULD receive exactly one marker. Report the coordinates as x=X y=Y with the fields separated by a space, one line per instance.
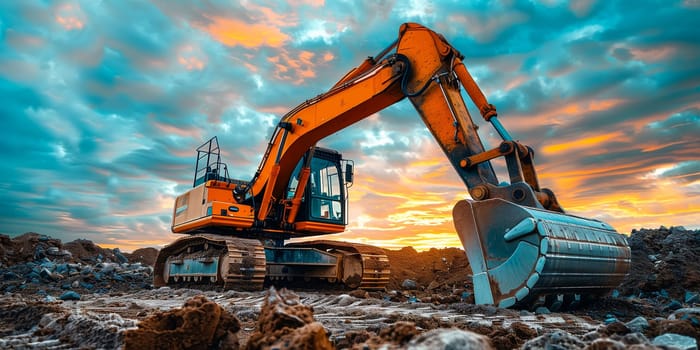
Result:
x=427 y=304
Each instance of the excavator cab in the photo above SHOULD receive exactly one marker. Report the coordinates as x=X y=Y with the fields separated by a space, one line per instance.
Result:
x=324 y=199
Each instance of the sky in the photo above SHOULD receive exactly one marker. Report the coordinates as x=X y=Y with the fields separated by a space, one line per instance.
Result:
x=104 y=103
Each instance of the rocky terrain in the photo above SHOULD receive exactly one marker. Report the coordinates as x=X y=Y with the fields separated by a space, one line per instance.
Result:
x=78 y=295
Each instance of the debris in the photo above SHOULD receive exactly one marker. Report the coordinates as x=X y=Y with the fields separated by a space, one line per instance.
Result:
x=36 y=267
x=554 y=340
x=408 y=284
x=70 y=295
x=638 y=324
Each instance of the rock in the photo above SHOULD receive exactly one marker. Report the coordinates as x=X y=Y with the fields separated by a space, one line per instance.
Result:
x=638 y=324
x=62 y=269
x=691 y=314
x=542 y=311
x=359 y=293
x=677 y=341
x=447 y=339
x=525 y=313
x=108 y=268
x=409 y=284
x=70 y=295
x=674 y=305
x=46 y=274
x=635 y=338
x=609 y=319
x=396 y=335
x=199 y=324
x=554 y=340
x=591 y=336
x=38 y=252
x=606 y=344
x=435 y=285
x=285 y=323
x=121 y=259
x=616 y=327
x=345 y=300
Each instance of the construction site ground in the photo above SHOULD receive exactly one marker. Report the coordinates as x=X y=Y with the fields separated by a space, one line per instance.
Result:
x=78 y=295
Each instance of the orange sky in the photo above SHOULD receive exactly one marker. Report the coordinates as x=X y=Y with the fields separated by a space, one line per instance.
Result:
x=103 y=109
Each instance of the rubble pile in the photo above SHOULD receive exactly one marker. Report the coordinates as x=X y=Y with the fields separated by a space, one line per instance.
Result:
x=436 y=270
x=41 y=325
x=665 y=264
x=34 y=263
x=438 y=276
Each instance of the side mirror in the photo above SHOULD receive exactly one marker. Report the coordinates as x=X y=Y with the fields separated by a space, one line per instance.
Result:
x=348 y=173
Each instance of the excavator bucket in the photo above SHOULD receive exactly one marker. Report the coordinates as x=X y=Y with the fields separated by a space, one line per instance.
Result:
x=519 y=254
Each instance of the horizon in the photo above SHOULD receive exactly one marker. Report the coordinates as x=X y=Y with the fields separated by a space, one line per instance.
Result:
x=418 y=249
x=103 y=110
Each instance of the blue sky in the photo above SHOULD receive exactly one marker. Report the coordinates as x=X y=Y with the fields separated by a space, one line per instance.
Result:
x=104 y=103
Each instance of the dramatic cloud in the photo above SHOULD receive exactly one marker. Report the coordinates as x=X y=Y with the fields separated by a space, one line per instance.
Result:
x=104 y=104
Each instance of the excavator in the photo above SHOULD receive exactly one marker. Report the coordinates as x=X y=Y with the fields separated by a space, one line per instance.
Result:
x=520 y=243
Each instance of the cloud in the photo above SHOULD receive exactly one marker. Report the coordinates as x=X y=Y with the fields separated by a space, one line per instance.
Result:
x=232 y=32
x=70 y=16
x=102 y=110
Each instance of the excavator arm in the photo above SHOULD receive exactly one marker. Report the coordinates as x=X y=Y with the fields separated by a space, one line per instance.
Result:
x=429 y=71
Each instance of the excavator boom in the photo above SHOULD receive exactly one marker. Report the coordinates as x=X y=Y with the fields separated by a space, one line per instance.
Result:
x=519 y=241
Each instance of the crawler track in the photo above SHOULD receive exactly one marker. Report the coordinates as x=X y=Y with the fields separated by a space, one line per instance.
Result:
x=209 y=260
x=240 y=262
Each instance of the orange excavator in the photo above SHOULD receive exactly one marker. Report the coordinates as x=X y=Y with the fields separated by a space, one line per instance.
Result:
x=519 y=242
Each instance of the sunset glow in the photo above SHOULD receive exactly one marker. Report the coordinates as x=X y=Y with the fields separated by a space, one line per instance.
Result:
x=104 y=104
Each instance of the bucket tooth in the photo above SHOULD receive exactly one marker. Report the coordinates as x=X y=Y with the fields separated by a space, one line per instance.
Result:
x=518 y=253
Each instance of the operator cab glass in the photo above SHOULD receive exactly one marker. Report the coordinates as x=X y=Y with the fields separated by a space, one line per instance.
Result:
x=326 y=193
x=324 y=197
